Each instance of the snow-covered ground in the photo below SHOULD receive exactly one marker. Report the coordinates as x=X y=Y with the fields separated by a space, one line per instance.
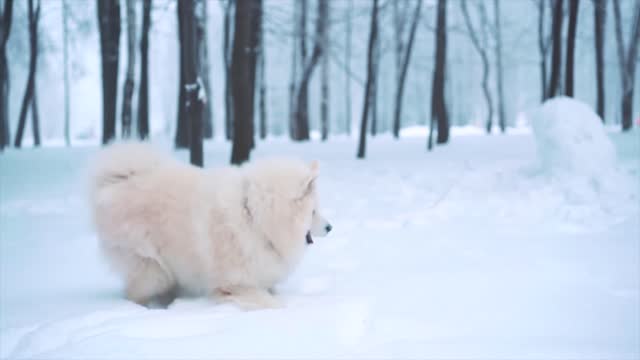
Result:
x=471 y=251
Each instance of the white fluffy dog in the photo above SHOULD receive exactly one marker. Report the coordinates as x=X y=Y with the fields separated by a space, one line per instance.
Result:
x=231 y=233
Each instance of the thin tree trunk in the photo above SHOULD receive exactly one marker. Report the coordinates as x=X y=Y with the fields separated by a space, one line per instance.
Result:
x=193 y=94
x=367 y=91
x=556 y=56
x=65 y=65
x=294 y=71
x=35 y=117
x=404 y=67
x=302 y=97
x=301 y=102
x=109 y=20
x=627 y=61
x=373 y=102
x=182 y=126
x=5 y=29
x=27 y=100
x=254 y=48
x=600 y=15
x=262 y=100
x=324 y=101
x=127 y=100
x=502 y=121
x=398 y=27
x=226 y=54
x=479 y=45
x=439 y=113
x=348 y=66
x=243 y=67
x=143 y=96
x=203 y=52
x=571 y=41
x=543 y=47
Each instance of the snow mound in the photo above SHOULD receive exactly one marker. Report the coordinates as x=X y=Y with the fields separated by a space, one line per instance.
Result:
x=570 y=138
x=576 y=153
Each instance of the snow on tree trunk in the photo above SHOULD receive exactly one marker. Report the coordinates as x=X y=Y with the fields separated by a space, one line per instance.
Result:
x=194 y=96
x=203 y=71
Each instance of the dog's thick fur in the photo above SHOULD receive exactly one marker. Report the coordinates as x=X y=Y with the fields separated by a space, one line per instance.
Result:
x=231 y=233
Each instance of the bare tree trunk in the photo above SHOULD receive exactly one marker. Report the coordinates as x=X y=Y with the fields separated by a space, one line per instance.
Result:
x=65 y=65
x=479 y=45
x=203 y=52
x=127 y=100
x=398 y=29
x=374 y=86
x=301 y=102
x=182 y=126
x=254 y=48
x=627 y=62
x=109 y=21
x=404 y=66
x=502 y=121
x=33 y=17
x=367 y=91
x=556 y=56
x=599 y=21
x=143 y=95
x=5 y=29
x=543 y=45
x=302 y=97
x=193 y=94
x=294 y=71
x=348 y=65
x=226 y=54
x=324 y=101
x=243 y=67
x=571 y=41
x=35 y=117
x=439 y=114
x=262 y=101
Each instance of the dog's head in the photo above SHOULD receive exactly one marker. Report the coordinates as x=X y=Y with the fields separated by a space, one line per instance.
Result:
x=283 y=200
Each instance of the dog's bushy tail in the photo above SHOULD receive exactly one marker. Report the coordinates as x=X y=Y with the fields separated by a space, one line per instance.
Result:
x=121 y=162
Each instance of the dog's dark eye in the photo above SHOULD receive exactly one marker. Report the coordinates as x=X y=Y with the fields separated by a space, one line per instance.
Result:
x=314 y=212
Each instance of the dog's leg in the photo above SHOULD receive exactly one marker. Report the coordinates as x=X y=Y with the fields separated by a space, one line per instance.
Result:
x=248 y=298
x=147 y=282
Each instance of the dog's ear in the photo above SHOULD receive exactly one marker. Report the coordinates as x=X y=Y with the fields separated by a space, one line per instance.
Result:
x=315 y=168
x=310 y=181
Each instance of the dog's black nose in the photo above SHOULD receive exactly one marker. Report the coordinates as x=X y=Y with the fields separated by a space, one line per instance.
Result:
x=328 y=228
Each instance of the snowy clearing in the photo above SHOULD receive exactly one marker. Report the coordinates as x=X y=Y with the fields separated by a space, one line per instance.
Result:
x=467 y=252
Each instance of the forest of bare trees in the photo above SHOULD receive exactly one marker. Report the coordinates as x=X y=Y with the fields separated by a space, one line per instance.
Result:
x=320 y=34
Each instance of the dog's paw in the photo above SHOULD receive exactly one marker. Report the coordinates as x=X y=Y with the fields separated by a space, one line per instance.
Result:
x=249 y=299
